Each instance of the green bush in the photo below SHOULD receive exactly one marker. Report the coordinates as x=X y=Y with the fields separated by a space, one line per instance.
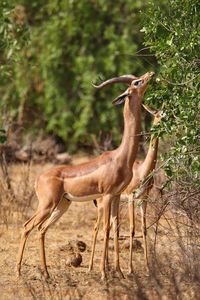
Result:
x=71 y=44
x=171 y=31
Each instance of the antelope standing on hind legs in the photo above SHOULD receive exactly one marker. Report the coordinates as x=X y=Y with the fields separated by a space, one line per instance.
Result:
x=107 y=175
x=141 y=174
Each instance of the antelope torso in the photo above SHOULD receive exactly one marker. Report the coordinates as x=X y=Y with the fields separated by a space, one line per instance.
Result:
x=88 y=181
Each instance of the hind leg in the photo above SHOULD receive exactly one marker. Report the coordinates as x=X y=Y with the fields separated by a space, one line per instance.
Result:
x=107 y=207
x=143 y=209
x=61 y=208
x=131 y=210
x=115 y=222
x=36 y=219
x=96 y=230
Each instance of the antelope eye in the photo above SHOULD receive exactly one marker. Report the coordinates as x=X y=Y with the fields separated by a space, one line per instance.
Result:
x=138 y=83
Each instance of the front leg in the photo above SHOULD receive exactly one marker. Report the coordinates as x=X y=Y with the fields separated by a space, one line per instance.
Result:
x=96 y=229
x=107 y=206
x=143 y=209
x=115 y=222
x=131 y=210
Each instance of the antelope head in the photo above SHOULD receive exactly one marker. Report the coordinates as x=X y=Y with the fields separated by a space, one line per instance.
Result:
x=137 y=85
x=157 y=114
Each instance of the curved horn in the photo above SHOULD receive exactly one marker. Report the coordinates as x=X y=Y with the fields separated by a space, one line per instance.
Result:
x=121 y=79
x=150 y=110
x=154 y=112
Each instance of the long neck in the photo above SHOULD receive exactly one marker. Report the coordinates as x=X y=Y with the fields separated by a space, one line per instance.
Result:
x=132 y=119
x=151 y=157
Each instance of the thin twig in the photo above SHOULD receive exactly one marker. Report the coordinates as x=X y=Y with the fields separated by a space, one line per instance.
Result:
x=159 y=215
x=178 y=83
x=190 y=195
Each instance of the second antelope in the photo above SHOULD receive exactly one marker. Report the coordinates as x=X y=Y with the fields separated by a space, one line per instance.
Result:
x=107 y=175
x=142 y=171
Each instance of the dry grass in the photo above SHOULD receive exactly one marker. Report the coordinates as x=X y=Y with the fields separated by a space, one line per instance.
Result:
x=174 y=247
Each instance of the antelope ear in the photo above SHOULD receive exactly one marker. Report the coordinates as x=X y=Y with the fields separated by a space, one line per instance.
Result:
x=120 y=99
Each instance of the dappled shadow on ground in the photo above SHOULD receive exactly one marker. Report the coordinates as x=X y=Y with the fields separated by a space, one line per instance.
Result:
x=174 y=257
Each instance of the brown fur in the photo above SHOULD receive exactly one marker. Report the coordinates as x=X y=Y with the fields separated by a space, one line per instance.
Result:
x=107 y=175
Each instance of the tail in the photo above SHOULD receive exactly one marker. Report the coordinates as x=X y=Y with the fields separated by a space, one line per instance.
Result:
x=95 y=203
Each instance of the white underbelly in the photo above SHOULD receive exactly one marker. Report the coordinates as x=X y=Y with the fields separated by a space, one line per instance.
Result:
x=81 y=198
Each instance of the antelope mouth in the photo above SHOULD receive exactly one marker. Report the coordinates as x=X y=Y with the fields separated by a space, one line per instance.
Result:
x=149 y=76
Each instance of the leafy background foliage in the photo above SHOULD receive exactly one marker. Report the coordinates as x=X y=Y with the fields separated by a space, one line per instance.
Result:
x=71 y=44
x=172 y=32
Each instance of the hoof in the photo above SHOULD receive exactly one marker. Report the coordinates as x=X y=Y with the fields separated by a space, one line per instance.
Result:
x=147 y=271
x=120 y=274
x=130 y=270
x=18 y=272
x=89 y=269
x=45 y=274
x=108 y=267
x=103 y=277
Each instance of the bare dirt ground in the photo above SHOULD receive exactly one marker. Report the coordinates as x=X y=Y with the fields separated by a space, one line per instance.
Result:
x=165 y=281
